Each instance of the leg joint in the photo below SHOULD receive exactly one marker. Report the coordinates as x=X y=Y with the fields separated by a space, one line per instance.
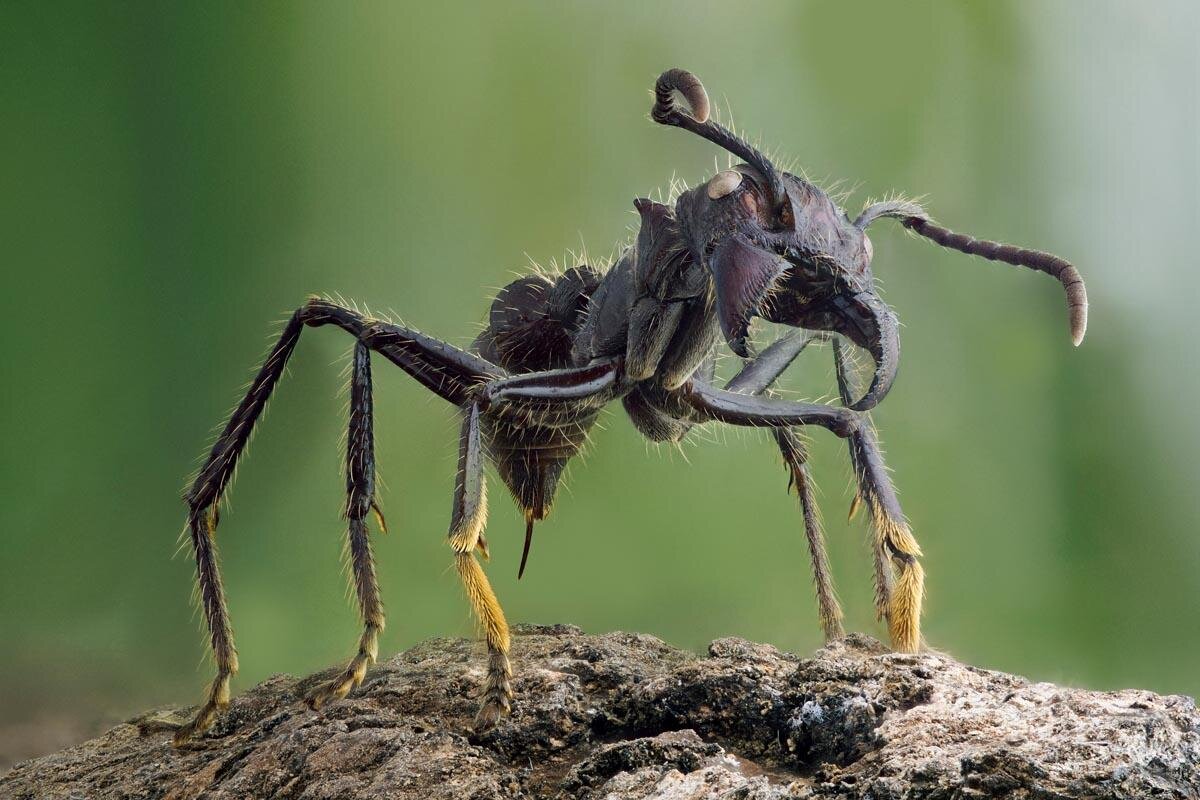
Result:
x=318 y=311
x=848 y=423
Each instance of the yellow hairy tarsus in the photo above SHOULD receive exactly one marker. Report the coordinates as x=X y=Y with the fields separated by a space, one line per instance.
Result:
x=483 y=600
x=908 y=591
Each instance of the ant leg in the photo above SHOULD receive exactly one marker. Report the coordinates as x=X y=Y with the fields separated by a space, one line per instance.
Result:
x=555 y=395
x=735 y=408
x=360 y=501
x=449 y=372
x=902 y=606
x=882 y=570
x=898 y=601
x=760 y=372
x=202 y=500
x=445 y=370
x=468 y=519
x=795 y=456
x=756 y=377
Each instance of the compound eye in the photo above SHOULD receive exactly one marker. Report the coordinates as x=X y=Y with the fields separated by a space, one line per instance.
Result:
x=723 y=183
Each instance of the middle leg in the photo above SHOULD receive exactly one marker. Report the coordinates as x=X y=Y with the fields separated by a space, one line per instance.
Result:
x=467 y=521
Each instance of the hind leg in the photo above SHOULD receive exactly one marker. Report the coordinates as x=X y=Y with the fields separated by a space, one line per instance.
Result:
x=451 y=373
x=360 y=502
x=203 y=499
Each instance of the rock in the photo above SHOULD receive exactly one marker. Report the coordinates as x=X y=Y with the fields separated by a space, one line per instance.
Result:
x=625 y=715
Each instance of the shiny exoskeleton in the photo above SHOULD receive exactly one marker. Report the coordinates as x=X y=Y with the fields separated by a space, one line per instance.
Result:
x=750 y=241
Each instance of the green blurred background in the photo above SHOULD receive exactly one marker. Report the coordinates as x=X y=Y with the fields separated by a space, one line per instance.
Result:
x=176 y=179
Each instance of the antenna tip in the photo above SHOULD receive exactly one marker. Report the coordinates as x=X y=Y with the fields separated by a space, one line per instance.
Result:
x=687 y=84
x=1079 y=320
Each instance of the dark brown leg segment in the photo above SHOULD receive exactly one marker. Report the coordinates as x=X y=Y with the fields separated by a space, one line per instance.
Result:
x=203 y=499
x=360 y=503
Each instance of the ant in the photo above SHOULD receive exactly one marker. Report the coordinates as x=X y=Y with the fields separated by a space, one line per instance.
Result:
x=751 y=241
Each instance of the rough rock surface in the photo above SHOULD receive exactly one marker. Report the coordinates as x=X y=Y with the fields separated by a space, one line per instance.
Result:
x=624 y=715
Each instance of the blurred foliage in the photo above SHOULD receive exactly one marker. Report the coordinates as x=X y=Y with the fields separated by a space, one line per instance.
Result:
x=177 y=177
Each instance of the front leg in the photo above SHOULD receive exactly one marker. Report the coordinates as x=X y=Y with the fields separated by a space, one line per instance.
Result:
x=899 y=600
x=734 y=408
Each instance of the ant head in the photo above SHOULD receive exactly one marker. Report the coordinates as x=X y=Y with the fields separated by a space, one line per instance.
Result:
x=776 y=246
